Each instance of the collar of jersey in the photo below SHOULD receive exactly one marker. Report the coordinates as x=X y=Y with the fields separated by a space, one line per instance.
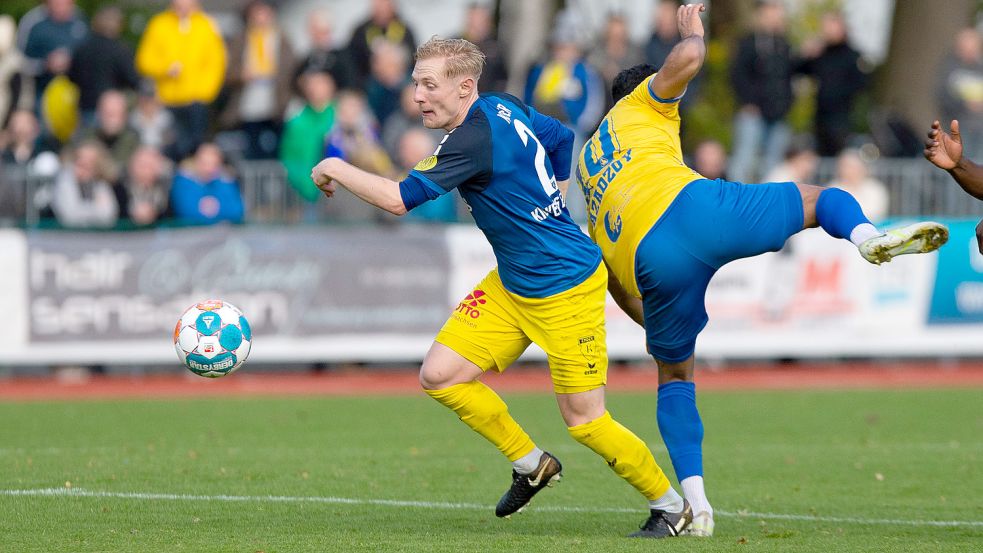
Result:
x=472 y=108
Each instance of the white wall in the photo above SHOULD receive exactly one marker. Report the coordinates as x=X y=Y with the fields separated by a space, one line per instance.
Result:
x=425 y=17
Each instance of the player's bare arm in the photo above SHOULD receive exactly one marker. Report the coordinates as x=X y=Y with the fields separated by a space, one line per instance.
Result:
x=631 y=305
x=374 y=189
x=945 y=150
x=686 y=58
x=563 y=185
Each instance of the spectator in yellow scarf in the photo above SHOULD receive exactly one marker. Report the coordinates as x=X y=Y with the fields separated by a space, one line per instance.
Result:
x=261 y=64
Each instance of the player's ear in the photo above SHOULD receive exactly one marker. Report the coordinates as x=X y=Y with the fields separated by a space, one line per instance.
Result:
x=466 y=86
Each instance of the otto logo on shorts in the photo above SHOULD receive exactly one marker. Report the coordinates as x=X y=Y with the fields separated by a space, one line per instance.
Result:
x=469 y=305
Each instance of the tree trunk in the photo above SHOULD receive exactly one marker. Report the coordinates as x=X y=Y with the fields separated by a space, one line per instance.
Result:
x=921 y=35
x=524 y=30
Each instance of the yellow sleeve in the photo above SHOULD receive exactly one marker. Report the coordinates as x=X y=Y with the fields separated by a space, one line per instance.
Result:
x=151 y=58
x=213 y=66
x=669 y=107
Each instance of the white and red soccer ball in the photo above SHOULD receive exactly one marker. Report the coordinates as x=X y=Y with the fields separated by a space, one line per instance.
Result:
x=212 y=338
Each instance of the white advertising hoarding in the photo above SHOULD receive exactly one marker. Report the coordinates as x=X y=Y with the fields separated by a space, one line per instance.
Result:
x=380 y=295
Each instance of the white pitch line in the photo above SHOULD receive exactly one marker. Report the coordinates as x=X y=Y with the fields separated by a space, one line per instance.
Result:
x=77 y=492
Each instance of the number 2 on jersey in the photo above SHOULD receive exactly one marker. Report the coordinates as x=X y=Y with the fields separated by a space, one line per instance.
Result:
x=547 y=180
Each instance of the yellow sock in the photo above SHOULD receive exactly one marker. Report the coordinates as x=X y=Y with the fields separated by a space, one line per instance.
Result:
x=625 y=453
x=479 y=407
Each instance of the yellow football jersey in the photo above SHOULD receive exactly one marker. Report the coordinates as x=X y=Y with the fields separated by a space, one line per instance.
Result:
x=630 y=170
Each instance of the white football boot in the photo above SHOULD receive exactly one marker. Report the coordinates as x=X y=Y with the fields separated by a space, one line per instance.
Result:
x=915 y=238
x=701 y=527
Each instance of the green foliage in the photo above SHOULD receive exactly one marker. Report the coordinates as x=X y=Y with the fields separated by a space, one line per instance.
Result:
x=804 y=25
x=805 y=19
x=711 y=115
x=137 y=12
x=833 y=459
x=17 y=8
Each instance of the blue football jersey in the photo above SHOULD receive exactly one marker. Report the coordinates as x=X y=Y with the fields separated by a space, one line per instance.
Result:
x=505 y=159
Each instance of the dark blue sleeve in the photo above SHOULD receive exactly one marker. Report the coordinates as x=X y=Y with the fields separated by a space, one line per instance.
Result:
x=331 y=149
x=463 y=157
x=416 y=189
x=558 y=141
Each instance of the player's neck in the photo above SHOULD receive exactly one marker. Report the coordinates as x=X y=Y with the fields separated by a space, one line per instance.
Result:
x=462 y=113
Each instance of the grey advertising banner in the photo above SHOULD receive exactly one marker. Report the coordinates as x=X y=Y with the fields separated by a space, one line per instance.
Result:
x=287 y=281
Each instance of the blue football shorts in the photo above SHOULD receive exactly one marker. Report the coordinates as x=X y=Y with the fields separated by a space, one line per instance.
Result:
x=710 y=223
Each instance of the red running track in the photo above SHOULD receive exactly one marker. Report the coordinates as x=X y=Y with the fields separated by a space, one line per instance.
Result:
x=927 y=374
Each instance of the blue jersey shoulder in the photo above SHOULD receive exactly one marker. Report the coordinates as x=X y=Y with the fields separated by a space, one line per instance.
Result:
x=509 y=99
x=463 y=157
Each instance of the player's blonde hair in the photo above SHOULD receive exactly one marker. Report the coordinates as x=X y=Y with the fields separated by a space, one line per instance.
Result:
x=462 y=57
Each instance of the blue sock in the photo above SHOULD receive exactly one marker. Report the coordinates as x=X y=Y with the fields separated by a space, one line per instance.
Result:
x=839 y=213
x=681 y=428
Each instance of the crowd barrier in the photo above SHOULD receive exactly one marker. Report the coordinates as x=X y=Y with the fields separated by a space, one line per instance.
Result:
x=916 y=189
x=321 y=294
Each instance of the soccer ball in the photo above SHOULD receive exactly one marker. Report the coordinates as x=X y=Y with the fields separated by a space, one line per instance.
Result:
x=212 y=338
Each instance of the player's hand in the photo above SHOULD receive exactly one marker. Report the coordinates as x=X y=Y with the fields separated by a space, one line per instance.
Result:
x=321 y=175
x=689 y=22
x=979 y=235
x=328 y=188
x=942 y=148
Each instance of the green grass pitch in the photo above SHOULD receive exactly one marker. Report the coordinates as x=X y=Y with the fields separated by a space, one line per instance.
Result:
x=787 y=471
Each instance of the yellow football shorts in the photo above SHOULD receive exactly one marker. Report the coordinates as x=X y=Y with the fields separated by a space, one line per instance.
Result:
x=491 y=327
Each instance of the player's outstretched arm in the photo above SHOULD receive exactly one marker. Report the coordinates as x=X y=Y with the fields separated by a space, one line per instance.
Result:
x=631 y=305
x=374 y=189
x=686 y=57
x=945 y=150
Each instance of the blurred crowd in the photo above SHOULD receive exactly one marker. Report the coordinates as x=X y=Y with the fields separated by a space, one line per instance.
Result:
x=153 y=133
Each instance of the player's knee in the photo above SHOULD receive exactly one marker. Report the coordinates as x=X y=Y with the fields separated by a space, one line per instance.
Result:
x=437 y=376
x=675 y=372
x=582 y=407
x=432 y=379
x=444 y=367
x=675 y=360
x=810 y=197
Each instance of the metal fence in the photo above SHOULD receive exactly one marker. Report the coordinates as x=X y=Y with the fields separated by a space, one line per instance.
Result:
x=916 y=189
x=265 y=192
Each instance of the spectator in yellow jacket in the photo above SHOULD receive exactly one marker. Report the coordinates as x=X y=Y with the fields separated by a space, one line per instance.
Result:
x=182 y=51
